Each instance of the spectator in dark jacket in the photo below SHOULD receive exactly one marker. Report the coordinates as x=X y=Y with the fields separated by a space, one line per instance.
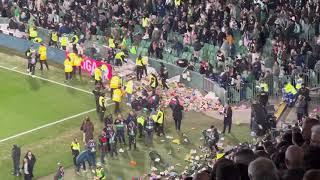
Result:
x=177 y=114
x=227 y=120
x=31 y=159
x=300 y=107
x=304 y=91
x=16 y=153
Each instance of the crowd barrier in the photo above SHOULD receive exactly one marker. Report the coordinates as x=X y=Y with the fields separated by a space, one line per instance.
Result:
x=249 y=91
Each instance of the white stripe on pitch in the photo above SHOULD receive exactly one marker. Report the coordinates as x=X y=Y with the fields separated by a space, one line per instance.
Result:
x=47 y=125
x=44 y=79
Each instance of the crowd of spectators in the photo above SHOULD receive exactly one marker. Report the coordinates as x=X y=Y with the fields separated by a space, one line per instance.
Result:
x=280 y=37
x=288 y=154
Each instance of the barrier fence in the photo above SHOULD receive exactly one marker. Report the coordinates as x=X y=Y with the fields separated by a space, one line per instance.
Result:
x=250 y=91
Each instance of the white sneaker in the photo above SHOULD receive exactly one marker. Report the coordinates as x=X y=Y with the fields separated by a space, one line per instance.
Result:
x=27 y=70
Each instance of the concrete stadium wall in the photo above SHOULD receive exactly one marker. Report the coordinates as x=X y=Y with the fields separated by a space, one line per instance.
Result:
x=21 y=45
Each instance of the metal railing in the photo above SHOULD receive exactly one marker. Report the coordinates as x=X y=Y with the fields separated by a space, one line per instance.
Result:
x=249 y=91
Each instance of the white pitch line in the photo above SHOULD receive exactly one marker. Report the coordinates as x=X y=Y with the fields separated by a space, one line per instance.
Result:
x=47 y=125
x=14 y=68
x=44 y=79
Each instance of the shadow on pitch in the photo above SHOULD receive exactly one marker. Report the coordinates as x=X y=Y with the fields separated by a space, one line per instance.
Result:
x=34 y=83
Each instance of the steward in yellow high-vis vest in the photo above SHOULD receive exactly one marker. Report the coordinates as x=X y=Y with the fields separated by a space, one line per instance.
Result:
x=74 y=39
x=100 y=174
x=153 y=81
x=68 y=68
x=32 y=32
x=64 y=42
x=116 y=98
x=98 y=76
x=119 y=57
x=264 y=92
x=72 y=57
x=117 y=95
x=77 y=64
x=139 y=67
x=129 y=87
x=75 y=149
x=140 y=121
x=129 y=91
x=115 y=82
x=102 y=106
x=289 y=89
x=54 y=39
x=158 y=119
x=42 y=51
x=299 y=82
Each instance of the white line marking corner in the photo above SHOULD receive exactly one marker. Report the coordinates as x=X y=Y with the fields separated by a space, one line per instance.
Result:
x=46 y=125
x=44 y=79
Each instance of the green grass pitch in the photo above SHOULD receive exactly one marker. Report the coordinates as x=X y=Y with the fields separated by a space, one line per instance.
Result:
x=27 y=103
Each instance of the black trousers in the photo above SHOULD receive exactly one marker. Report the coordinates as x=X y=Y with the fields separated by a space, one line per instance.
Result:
x=299 y=116
x=27 y=177
x=103 y=154
x=140 y=128
x=132 y=141
x=75 y=155
x=32 y=68
x=213 y=147
x=68 y=75
x=159 y=129
x=16 y=164
x=164 y=84
x=177 y=123
x=83 y=163
x=120 y=137
x=44 y=62
x=101 y=113
x=116 y=107
x=144 y=69
x=264 y=99
x=113 y=149
x=225 y=125
x=139 y=72
x=53 y=43
x=97 y=104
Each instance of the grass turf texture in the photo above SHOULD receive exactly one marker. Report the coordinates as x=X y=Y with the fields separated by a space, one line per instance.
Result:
x=52 y=144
